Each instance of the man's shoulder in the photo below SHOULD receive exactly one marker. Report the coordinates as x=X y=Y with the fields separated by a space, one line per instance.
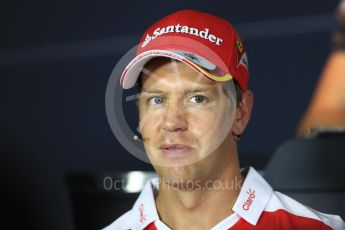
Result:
x=121 y=223
x=289 y=211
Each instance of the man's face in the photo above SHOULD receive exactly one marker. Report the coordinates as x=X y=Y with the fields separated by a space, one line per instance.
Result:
x=185 y=122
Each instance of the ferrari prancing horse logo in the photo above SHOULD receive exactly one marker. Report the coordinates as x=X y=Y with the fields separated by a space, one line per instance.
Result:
x=239 y=46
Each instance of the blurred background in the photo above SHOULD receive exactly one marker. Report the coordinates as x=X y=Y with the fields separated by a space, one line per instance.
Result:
x=55 y=61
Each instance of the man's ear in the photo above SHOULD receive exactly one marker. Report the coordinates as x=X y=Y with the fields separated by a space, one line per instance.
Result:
x=243 y=113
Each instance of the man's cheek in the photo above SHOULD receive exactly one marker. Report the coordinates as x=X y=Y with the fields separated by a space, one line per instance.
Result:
x=203 y=121
x=150 y=122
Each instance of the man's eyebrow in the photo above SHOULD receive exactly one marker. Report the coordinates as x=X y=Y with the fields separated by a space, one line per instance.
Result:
x=188 y=91
x=196 y=90
x=151 y=91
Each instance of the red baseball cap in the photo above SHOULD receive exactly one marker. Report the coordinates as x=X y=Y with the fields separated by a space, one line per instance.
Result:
x=205 y=42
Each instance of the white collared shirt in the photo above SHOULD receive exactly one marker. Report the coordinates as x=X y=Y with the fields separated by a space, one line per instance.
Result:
x=257 y=205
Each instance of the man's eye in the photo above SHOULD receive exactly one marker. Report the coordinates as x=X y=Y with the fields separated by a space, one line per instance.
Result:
x=155 y=100
x=198 y=99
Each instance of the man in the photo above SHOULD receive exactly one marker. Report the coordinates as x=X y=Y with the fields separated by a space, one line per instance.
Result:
x=192 y=72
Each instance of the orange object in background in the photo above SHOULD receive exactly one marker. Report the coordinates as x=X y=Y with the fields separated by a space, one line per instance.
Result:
x=327 y=108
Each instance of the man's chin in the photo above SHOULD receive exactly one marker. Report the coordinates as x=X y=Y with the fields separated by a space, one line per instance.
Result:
x=178 y=177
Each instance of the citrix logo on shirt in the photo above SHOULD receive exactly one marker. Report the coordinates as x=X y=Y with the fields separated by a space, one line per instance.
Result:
x=205 y=33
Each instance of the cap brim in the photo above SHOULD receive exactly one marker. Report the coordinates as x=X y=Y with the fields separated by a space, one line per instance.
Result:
x=132 y=71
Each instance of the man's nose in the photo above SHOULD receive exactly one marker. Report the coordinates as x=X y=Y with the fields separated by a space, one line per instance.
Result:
x=174 y=119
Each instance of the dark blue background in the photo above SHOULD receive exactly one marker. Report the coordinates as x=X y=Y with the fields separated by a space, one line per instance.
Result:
x=56 y=58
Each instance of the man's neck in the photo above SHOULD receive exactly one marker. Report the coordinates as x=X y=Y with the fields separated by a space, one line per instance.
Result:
x=203 y=207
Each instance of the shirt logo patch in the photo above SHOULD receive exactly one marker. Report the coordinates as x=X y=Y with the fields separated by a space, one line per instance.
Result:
x=142 y=215
x=251 y=196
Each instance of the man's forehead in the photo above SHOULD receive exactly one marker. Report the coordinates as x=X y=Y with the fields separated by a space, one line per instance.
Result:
x=178 y=83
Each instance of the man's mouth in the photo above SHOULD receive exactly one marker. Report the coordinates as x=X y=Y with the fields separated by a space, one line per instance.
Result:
x=175 y=150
